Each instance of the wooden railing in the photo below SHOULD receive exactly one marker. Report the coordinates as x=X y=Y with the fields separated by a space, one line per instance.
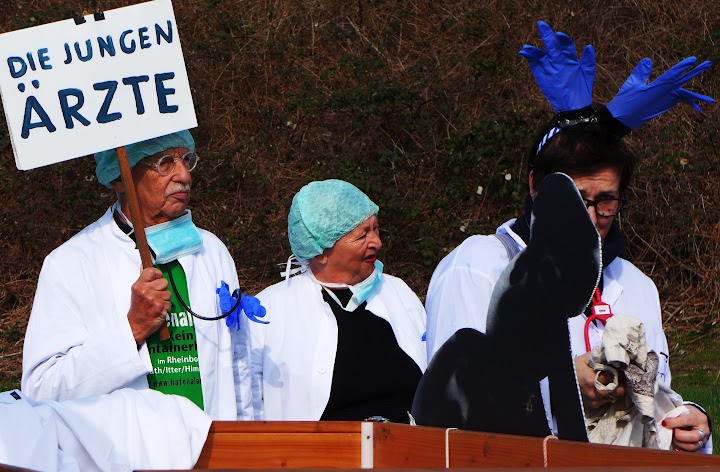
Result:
x=354 y=445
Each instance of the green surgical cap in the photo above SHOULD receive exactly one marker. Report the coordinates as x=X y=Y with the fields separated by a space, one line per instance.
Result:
x=323 y=212
x=108 y=170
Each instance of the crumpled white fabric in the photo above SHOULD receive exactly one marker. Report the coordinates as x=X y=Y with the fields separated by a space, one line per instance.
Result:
x=635 y=419
x=122 y=431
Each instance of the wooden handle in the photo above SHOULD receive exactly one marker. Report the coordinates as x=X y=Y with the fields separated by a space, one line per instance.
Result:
x=136 y=219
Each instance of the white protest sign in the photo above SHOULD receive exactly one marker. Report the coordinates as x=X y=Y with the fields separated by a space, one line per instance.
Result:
x=70 y=89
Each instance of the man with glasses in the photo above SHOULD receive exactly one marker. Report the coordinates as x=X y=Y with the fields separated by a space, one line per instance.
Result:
x=96 y=315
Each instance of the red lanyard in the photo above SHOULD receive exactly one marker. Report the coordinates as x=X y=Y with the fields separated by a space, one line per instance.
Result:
x=599 y=311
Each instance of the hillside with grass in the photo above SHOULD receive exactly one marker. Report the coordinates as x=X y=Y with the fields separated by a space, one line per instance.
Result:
x=424 y=105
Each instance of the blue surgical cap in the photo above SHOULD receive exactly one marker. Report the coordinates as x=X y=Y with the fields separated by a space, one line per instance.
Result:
x=108 y=170
x=323 y=212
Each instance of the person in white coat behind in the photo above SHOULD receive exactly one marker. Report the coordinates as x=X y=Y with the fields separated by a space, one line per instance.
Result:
x=585 y=142
x=345 y=341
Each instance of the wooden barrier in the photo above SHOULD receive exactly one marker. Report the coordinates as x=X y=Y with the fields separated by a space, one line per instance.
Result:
x=356 y=445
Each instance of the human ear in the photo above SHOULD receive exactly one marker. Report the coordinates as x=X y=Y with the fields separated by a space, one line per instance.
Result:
x=531 y=184
x=321 y=259
x=318 y=264
x=118 y=185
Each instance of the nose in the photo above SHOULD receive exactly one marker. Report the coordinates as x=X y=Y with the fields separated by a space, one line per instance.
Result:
x=595 y=218
x=181 y=172
x=375 y=241
x=592 y=211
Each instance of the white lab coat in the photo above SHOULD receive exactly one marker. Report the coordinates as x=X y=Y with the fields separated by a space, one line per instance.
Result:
x=79 y=343
x=121 y=431
x=293 y=357
x=459 y=296
x=460 y=289
x=461 y=286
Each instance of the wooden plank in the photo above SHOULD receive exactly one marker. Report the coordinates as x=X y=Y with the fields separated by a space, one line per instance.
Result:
x=476 y=449
x=285 y=445
x=507 y=469
x=274 y=445
x=568 y=453
x=12 y=468
x=403 y=446
x=242 y=427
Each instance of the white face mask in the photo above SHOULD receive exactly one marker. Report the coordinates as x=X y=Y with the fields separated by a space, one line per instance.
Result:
x=360 y=291
x=174 y=239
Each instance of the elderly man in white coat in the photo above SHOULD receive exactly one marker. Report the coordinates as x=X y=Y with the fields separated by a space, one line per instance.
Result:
x=345 y=341
x=95 y=319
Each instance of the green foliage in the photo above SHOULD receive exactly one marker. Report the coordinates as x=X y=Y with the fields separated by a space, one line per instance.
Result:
x=695 y=372
x=9 y=383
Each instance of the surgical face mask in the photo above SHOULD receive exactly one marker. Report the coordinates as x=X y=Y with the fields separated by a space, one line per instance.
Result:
x=360 y=291
x=174 y=239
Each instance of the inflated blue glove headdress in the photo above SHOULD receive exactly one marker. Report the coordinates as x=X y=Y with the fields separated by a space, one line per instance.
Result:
x=567 y=84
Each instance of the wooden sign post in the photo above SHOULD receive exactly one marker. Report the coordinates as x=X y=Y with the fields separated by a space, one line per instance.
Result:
x=136 y=218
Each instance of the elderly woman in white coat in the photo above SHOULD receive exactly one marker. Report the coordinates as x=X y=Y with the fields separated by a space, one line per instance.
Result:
x=344 y=341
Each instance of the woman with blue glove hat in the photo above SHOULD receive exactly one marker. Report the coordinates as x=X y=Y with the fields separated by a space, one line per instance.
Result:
x=345 y=340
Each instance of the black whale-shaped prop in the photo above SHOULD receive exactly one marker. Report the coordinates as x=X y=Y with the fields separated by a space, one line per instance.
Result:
x=490 y=381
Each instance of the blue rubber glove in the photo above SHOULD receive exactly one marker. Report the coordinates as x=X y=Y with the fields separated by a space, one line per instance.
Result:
x=226 y=300
x=249 y=304
x=253 y=309
x=638 y=102
x=566 y=82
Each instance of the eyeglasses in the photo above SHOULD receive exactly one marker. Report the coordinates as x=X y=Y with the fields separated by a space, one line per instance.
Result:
x=166 y=164
x=607 y=206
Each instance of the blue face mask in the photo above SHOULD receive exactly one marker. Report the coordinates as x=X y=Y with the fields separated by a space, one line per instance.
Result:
x=174 y=239
x=360 y=291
